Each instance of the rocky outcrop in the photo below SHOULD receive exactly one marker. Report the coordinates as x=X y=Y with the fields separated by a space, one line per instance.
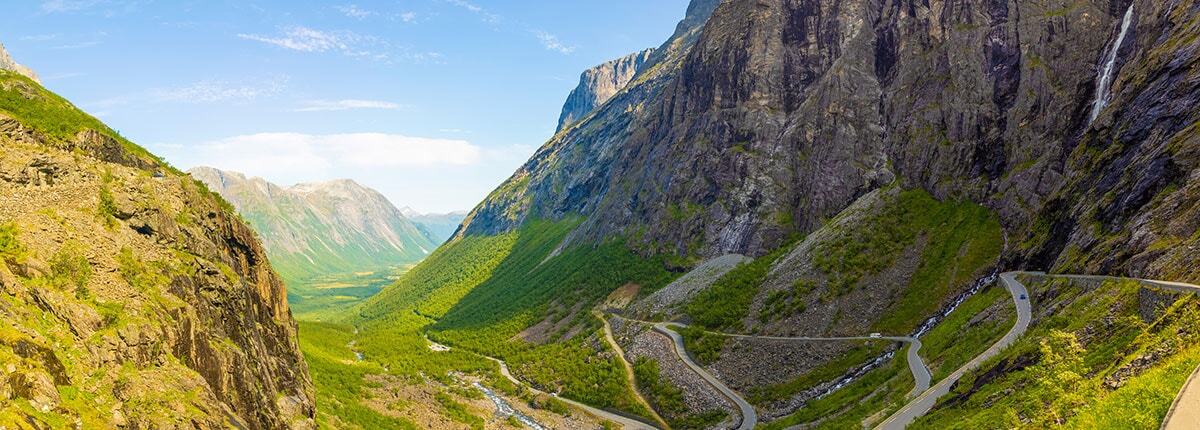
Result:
x=7 y=63
x=323 y=228
x=130 y=297
x=784 y=112
x=598 y=84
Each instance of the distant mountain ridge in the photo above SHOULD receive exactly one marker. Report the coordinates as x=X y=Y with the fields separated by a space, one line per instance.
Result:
x=323 y=228
x=436 y=227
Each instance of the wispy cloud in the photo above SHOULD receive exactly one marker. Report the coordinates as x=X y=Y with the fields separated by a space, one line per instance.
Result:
x=79 y=45
x=354 y=11
x=59 y=6
x=61 y=76
x=408 y=17
x=551 y=42
x=308 y=40
x=291 y=154
x=213 y=91
x=484 y=14
x=326 y=105
x=40 y=37
x=107 y=8
x=204 y=91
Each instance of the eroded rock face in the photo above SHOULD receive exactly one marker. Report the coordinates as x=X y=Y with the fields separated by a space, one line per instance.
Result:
x=783 y=112
x=132 y=283
x=598 y=84
x=7 y=63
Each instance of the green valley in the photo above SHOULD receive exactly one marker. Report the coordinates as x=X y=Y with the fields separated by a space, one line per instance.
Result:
x=823 y=214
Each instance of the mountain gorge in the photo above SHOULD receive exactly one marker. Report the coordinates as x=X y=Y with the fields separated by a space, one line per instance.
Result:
x=131 y=295
x=320 y=230
x=878 y=162
x=791 y=214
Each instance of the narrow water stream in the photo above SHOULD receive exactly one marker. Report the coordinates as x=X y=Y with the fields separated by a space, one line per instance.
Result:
x=505 y=409
x=356 y=353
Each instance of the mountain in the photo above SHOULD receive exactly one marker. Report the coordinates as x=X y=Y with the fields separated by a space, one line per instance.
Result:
x=7 y=63
x=436 y=227
x=321 y=229
x=131 y=295
x=598 y=84
x=880 y=162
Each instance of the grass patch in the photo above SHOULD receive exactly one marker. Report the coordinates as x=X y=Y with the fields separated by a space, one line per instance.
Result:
x=956 y=341
x=725 y=305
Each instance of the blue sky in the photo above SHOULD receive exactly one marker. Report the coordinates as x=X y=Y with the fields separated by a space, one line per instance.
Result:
x=432 y=102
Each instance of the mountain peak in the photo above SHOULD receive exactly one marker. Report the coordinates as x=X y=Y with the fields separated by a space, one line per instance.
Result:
x=7 y=63
x=409 y=212
x=599 y=84
x=301 y=224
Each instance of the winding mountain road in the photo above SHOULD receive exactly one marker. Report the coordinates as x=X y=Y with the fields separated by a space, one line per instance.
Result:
x=749 y=415
x=924 y=402
x=916 y=365
x=1184 y=414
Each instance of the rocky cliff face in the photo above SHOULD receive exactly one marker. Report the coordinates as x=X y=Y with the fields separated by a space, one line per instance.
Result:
x=338 y=226
x=130 y=296
x=7 y=63
x=783 y=112
x=600 y=83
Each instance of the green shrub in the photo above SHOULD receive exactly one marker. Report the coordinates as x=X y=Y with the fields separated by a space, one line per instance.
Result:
x=11 y=249
x=70 y=267
x=106 y=210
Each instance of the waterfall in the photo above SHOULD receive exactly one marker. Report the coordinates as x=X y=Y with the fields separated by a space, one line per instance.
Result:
x=1105 y=74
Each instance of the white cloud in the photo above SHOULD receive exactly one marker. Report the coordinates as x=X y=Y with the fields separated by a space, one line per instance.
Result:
x=211 y=91
x=326 y=105
x=354 y=11
x=288 y=155
x=408 y=17
x=308 y=40
x=551 y=42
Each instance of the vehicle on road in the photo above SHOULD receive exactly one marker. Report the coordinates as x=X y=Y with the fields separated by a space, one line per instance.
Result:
x=876 y=335
x=1022 y=297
